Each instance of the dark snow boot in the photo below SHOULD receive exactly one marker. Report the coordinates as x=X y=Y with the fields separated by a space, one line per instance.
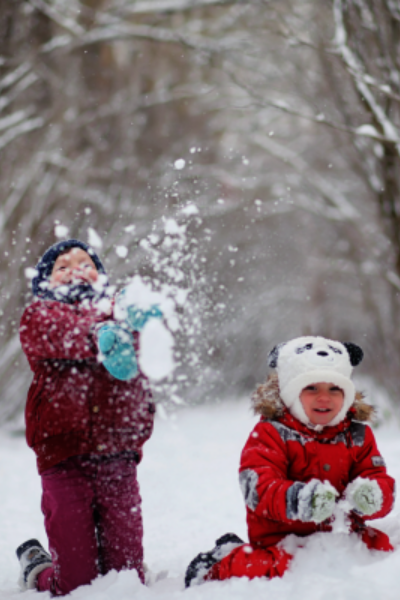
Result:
x=203 y=562
x=33 y=559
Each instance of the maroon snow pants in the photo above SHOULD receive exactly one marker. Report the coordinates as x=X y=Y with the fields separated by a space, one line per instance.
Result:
x=93 y=519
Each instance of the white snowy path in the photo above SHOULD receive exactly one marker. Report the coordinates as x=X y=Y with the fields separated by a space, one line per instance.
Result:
x=191 y=496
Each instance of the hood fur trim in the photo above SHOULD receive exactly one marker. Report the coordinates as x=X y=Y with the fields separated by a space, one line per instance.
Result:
x=267 y=402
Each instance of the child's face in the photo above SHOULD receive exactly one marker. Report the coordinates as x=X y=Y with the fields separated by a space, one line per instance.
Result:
x=75 y=266
x=322 y=402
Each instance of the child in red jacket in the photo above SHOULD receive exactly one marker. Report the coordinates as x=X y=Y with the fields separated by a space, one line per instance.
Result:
x=309 y=450
x=88 y=414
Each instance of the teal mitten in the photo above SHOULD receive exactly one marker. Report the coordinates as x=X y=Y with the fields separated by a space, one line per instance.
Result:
x=116 y=344
x=135 y=318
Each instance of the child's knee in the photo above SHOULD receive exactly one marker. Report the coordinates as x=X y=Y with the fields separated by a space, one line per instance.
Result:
x=246 y=561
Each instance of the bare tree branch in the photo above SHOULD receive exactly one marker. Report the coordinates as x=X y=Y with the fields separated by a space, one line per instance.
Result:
x=165 y=6
x=66 y=23
x=356 y=70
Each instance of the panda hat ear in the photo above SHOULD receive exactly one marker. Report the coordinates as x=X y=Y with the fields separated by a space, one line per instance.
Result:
x=355 y=353
x=273 y=356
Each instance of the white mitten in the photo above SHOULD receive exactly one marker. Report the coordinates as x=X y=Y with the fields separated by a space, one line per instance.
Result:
x=365 y=496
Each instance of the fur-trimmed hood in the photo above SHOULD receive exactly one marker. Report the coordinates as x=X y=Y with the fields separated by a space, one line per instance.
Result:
x=267 y=402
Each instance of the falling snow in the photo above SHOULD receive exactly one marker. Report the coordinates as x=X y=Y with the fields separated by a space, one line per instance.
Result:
x=179 y=164
x=94 y=239
x=121 y=251
x=61 y=231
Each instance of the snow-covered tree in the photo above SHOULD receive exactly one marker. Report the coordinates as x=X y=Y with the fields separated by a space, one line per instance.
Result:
x=265 y=130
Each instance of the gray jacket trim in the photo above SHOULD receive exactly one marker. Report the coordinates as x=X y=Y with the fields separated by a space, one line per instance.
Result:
x=357 y=431
x=289 y=435
x=292 y=499
x=248 y=480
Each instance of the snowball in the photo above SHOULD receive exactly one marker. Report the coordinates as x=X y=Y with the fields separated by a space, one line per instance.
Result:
x=171 y=227
x=94 y=239
x=140 y=294
x=61 y=231
x=129 y=228
x=121 y=251
x=190 y=209
x=30 y=273
x=156 y=350
x=179 y=164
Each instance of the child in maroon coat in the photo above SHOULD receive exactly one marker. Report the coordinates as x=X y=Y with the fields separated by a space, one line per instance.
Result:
x=88 y=414
x=309 y=450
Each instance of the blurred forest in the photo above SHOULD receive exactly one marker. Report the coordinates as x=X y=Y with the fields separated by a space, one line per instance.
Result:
x=245 y=153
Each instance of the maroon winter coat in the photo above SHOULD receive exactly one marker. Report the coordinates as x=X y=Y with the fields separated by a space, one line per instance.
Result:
x=281 y=451
x=74 y=405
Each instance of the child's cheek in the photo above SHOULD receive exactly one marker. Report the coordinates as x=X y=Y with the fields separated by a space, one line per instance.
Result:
x=93 y=275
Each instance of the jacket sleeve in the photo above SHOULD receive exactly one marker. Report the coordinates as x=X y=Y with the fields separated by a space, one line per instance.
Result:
x=52 y=330
x=263 y=473
x=369 y=464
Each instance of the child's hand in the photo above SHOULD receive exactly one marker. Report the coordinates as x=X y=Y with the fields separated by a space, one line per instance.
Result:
x=116 y=344
x=365 y=496
x=137 y=318
x=133 y=317
x=316 y=501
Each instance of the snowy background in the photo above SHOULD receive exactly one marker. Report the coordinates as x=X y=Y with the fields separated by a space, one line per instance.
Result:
x=191 y=496
x=247 y=153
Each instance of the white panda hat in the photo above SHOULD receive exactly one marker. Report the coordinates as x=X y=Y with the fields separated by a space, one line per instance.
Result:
x=307 y=360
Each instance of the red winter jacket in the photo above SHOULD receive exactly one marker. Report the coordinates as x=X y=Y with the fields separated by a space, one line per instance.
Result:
x=74 y=405
x=281 y=450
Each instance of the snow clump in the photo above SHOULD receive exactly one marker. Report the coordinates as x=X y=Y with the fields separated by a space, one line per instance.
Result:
x=61 y=231
x=121 y=251
x=179 y=164
x=190 y=209
x=156 y=341
x=94 y=239
x=156 y=350
x=30 y=273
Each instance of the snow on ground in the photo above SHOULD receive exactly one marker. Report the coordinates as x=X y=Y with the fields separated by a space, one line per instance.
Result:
x=191 y=496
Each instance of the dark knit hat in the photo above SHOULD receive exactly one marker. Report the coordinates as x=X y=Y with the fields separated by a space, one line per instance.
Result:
x=45 y=265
